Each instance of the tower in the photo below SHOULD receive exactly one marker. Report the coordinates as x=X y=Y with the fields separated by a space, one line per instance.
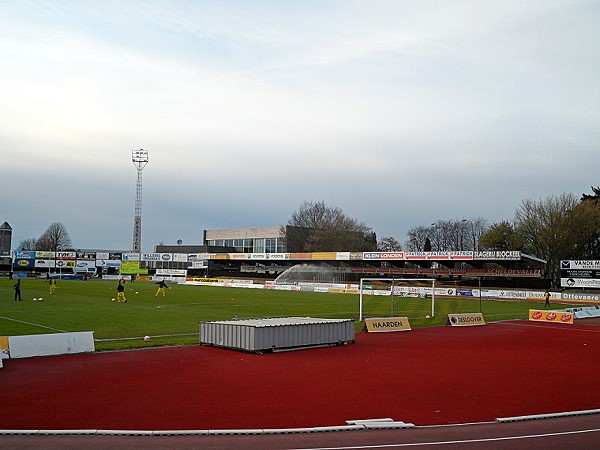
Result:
x=5 y=238
x=140 y=159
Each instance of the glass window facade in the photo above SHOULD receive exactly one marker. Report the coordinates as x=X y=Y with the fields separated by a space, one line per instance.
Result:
x=255 y=245
x=259 y=245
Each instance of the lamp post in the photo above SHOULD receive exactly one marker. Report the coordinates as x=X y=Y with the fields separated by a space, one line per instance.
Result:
x=139 y=159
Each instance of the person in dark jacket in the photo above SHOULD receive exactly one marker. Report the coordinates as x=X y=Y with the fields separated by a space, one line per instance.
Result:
x=17 y=288
x=121 y=292
x=161 y=288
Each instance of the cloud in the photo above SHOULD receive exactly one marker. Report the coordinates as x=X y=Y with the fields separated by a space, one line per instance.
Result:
x=401 y=113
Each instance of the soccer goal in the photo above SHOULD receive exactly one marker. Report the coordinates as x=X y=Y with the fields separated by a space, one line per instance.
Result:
x=395 y=287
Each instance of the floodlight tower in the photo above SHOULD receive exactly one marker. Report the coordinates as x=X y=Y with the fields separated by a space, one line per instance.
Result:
x=140 y=159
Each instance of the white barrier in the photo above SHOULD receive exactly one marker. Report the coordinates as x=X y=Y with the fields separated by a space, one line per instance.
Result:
x=51 y=344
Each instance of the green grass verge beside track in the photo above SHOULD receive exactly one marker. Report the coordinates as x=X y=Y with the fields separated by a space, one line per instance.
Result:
x=174 y=319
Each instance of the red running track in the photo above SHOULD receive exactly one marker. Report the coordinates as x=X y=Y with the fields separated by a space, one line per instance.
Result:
x=426 y=376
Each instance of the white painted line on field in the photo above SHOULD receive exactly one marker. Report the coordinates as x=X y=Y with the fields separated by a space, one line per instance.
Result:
x=33 y=324
x=457 y=442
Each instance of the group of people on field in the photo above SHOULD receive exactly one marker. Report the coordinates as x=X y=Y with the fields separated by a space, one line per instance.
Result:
x=121 y=290
x=17 y=288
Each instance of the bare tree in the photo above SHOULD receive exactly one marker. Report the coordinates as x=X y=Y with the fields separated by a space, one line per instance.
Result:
x=55 y=238
x=27 y=244
x=329 y=229
x=448 y=235
x=389 y=244
x=416 y=238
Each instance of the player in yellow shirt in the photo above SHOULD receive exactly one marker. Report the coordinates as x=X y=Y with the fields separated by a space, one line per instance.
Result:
x=161 y=288
x=121 y=292
x=52 y=282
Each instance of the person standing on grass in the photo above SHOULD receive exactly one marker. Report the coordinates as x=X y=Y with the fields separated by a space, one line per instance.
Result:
x=17 y=288
x=52 y=282
x=161 y=288
x=547 y=298
x=121 y=292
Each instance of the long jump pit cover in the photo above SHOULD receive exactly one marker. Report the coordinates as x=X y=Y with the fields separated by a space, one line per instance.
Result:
x=271 y=334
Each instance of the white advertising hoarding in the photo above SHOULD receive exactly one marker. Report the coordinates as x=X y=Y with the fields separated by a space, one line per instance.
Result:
x=580 y=282
x=580 y=265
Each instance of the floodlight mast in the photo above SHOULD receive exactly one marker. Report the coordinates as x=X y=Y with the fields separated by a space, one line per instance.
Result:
x=139 y=159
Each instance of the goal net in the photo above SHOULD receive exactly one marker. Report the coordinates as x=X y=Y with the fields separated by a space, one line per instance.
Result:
x=396 y=288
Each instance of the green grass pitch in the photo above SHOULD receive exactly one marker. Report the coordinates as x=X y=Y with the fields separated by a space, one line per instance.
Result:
x=174 y=319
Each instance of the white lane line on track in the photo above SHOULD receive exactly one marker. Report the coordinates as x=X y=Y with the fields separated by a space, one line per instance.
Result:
x=33 y=324
x=456 y=442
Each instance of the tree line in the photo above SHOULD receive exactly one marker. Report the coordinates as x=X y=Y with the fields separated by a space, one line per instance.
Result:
x=555 y=228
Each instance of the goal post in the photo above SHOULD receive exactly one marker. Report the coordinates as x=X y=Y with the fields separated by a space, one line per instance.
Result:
x=392 y=280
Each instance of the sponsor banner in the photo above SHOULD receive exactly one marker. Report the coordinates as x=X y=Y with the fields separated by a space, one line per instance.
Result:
x=24 y=263
x=102 y=255
x=86 y=255
x=506 y=255
x=45 y=264
x=171 y=272
x=130 y=256
x=525 y=273
x=278 y=256
x=356 y=256
x=383 y=255
x=391 y=255
x=4 y=350
x=206 y=280
x=580 y=273
x=180 y=257
x=550 y=316
x=580 y=265
x=581 y=297
x=379 y=325
x=513 y=294
x=580 y=282
x=137 y=233
x=330 y=256
x=342 y=256
x=257 y=256
x=65 y=264
x=239 y=256
x=465 y=293
x=198 y=264
x=114 y=256
x=83 y=265
x=24 y=254
x=132 y=268
x=466 y=319
x=198 y=256
x=302 y=256
x=537 y=295
x=44 y=255
x=462 y=255
x=438 y=256
x=165 y=257
x=409 y=291
x=370 y=255
x=416 y=255
x=66 y=255
x=108 y=263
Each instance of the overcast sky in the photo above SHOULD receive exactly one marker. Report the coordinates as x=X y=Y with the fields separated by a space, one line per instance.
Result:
x=401 y=113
